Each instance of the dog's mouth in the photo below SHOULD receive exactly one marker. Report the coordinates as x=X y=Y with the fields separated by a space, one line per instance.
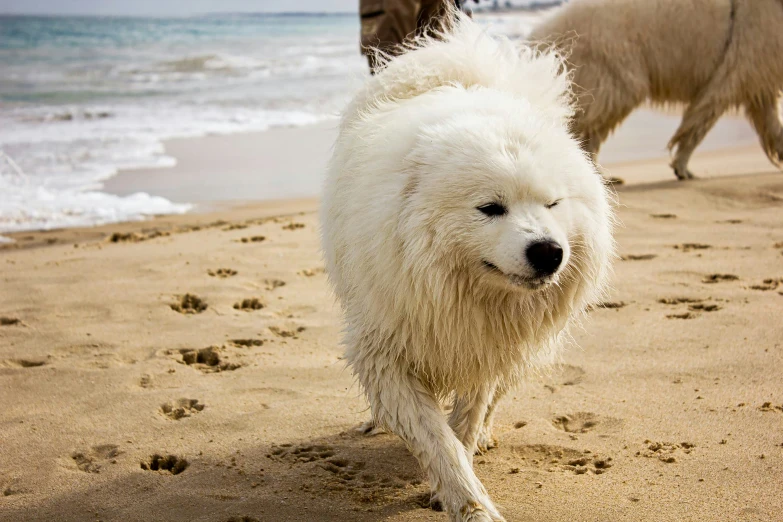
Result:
x=531 y=283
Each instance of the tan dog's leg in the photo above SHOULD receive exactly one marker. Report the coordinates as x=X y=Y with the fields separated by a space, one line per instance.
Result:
x=601 y=113
x=765 y=118
x=404 y=405
x=700 y=116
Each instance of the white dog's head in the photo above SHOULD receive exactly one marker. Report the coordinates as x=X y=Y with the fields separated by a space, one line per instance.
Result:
x=504 y=193
x=456 y=187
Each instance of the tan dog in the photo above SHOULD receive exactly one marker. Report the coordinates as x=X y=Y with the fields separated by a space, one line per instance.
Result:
x=712 y=55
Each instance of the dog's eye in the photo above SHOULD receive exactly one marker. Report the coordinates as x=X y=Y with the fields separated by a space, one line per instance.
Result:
x=492 y=209
x=553 y=204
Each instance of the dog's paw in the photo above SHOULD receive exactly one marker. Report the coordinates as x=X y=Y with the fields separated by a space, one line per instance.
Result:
x=435 y=504
x=777 y=155
x=682 y=172
x=369 y=428
x=485 y=441
x=474 y=512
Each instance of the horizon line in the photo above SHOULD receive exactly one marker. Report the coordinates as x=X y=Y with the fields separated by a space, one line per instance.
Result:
x=189 y=15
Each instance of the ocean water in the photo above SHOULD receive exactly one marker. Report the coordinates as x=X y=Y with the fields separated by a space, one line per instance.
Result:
x=83 y=97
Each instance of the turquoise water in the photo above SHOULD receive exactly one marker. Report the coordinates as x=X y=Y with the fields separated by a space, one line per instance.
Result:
x=82 y=97
x=55 y=60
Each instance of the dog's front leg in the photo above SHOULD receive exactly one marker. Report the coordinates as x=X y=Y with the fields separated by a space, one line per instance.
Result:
x=404 y=405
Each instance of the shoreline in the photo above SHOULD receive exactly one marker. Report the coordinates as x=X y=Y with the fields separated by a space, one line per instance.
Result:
x=738 y=162
x=243 y=159
x=635 y=153
x=281 y=163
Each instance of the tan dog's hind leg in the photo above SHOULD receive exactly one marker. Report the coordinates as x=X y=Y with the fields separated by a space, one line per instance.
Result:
x=765 y=117
x=591 y=145
x=700 y=116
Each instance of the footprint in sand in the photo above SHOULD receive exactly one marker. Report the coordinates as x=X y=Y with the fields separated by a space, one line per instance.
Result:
x=8 y=488
x=247 y=343
x=293 y=226
x=638 y=257
x=665 y=451
x=181 y=408
x=242 y=518
x=563 y=375
x=768 y=284
x=303 y=453
x=169 y=463
x=730 y=221
x=249 y=305
x=679 y=300
x=663 y=216
x=685 y=315
x=251 y=239
x=365 y=478
x=222 y=272
x=135 y=237
x=703 y=307
x=310 y=272
x=189 y=304
x=10 y=321
x=292 y=333
x=569 y=375
x=579 y=422
x=206 y=359
x=557 y=458
x=611 y=305
x=271 y=284
x=93 y=460
x=687 y=247
x=23 y=363
x=235 y=226
x=717 y=278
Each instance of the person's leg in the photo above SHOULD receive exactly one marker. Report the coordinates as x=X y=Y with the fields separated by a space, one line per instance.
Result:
x=385 y=25
x=431 y=13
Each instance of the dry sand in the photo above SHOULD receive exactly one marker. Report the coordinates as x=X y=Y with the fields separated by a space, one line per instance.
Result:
x=190 y=371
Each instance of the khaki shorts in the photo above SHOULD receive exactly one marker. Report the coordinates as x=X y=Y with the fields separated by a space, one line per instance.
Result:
x=387 y=23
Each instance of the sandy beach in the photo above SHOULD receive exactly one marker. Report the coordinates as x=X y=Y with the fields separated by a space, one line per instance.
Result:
x=188 y=368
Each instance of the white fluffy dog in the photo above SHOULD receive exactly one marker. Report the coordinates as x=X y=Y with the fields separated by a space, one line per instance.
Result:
x=463 y=229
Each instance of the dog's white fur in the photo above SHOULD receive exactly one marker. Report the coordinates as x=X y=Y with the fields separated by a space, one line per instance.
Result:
x=453 y=124
x=712 y=55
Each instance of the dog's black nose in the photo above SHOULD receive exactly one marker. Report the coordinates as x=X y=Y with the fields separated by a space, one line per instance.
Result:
x=545 y=257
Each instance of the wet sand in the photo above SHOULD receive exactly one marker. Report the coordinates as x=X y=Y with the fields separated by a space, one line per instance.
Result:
x=289 y=162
